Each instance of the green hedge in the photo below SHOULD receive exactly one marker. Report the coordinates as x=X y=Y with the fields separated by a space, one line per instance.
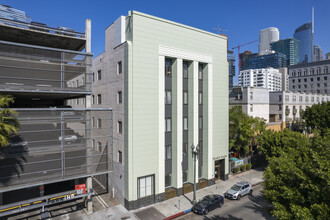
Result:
x=243 y=168
x=235 y=170
x=248 y=166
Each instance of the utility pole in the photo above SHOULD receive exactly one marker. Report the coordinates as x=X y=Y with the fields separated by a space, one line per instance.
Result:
x=194 y=151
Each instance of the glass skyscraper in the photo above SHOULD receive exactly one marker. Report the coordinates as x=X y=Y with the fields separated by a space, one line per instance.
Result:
x=289 y=47
x=304 y=33
x=253 y=61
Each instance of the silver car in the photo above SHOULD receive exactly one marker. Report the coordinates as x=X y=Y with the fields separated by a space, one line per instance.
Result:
x=238 y=190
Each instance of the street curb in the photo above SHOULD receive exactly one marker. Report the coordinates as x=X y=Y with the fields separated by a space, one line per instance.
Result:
x=177 y=214
x=258 y=183
x=189 y=210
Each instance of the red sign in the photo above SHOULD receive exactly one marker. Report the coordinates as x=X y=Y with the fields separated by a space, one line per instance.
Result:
x=81 y=189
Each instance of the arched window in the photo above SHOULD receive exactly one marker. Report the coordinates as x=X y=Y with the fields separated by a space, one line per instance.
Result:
x=325 y=70
x=318 y=70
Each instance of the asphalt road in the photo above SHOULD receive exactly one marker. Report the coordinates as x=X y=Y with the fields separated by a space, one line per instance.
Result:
x=249 y=207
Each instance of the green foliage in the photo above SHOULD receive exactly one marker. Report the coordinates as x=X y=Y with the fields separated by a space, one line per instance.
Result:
x=243 y=168
x=235 y=170
x=297 y=179
x=272 y=143
x=243 y=130
x=318 y=117
x=248 y=166
x=9 y=125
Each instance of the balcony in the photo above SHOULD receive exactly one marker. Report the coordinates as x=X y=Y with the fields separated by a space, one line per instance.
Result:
x=26 y=68
x=57 y=144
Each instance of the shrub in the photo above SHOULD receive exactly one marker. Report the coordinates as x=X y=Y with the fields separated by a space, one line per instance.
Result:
x=243 y=168
x=248 y=166
x=235 y=170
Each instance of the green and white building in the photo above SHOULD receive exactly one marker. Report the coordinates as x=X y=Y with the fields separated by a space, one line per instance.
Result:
x=167 y=84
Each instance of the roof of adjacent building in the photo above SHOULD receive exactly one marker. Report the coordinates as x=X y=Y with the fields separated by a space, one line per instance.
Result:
x=302 y=65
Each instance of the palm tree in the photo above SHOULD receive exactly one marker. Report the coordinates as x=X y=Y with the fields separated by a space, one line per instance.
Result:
x=9 y=125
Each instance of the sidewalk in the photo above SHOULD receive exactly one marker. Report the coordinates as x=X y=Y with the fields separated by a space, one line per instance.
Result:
x=171 y=206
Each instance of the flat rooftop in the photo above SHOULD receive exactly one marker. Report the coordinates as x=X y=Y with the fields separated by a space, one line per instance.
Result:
x=27 y=33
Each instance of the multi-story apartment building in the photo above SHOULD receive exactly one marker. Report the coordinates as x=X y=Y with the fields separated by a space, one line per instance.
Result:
x=327 y=56
x=310 y=77
x=168 y=86
x=305 y=35
x=286 y=106
x=231 y=67
x=266 y=37
x=253 y=100
x=276 y=106
x=318 y=54
x=289 y=47
x=255 y=61
x=52 y=158
x=284 y=78
x=269 y=78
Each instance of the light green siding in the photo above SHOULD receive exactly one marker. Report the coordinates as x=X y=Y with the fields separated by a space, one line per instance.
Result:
x=146 y=33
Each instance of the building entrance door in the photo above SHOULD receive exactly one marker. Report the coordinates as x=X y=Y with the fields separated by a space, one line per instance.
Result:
x=219 y=170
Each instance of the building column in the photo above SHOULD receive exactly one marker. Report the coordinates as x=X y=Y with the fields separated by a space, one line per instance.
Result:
x=209 y=125
x=89 y=186
x=177 y=125
x=160 y=180
x=193 y=120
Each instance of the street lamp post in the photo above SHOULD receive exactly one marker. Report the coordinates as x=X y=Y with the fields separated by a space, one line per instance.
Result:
x=194 y=150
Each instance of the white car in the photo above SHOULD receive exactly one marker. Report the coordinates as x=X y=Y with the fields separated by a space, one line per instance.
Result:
x=238 y=190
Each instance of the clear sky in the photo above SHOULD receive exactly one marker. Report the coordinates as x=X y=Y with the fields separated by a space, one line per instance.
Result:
x=242 y=18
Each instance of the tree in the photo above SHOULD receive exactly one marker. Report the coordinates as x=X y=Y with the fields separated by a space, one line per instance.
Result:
x=318 y=117
x=272 y=143
x=243 y=130
x=9 y=125
x=297 y=179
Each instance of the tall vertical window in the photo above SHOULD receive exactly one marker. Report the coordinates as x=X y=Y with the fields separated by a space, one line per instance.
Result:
x=185 y=123
x=145 y=186
x=93 y=99
x=119 y=127
x=99 y=99
x=93 y=77
x=93 y=122
x=200 y=71
x=200 y=122
x=168 y=97
x=185 y=97
x=200 y=98
x=251 y=95
x=99 y=123
x=168 y=124
x=185 y=69
x=120 y=157
x=119 y=67
x=168 y=67
x=119 y=97
x=168 y=152
x=99 y=146
x=99 y=75
x=251 y=108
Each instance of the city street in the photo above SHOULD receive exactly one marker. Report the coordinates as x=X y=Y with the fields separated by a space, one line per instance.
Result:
x=249 y=207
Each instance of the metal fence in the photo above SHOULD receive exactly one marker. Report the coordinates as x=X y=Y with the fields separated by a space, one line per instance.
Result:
x=57 y=144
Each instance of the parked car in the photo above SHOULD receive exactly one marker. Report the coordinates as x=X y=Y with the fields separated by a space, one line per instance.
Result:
x=208 y=203
x=238 y=190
